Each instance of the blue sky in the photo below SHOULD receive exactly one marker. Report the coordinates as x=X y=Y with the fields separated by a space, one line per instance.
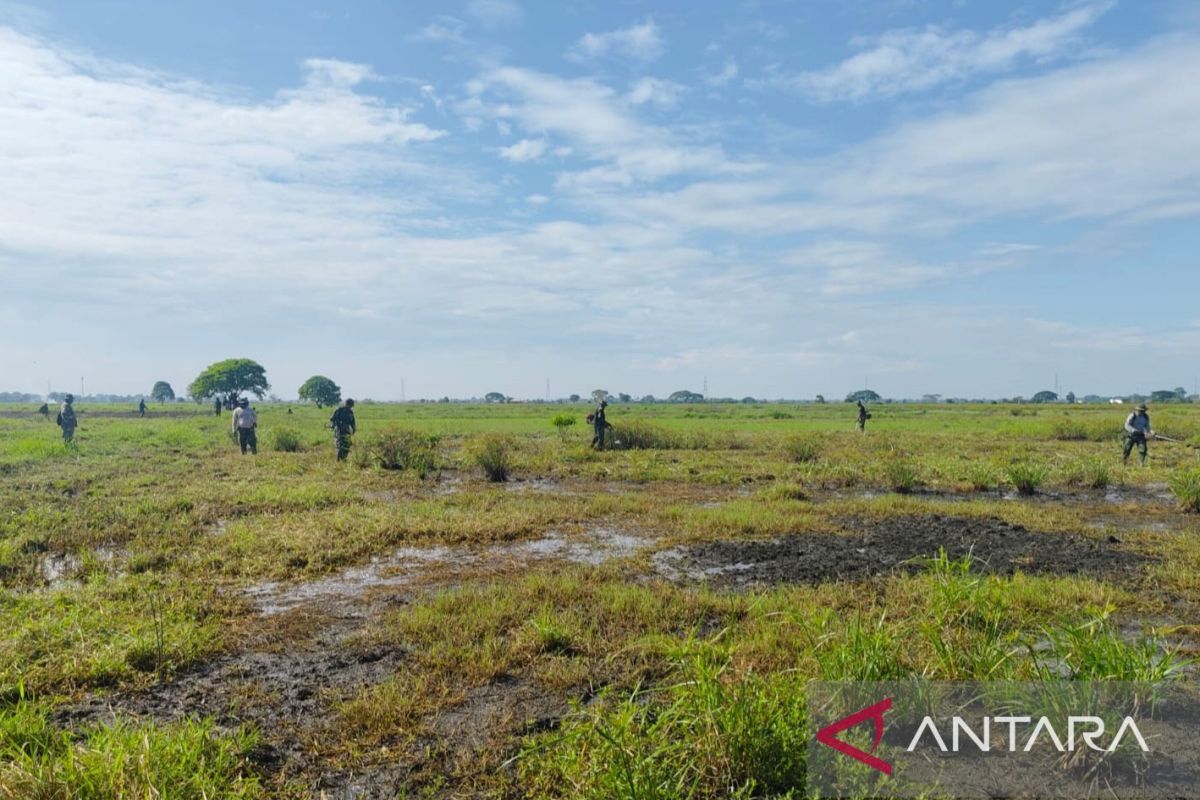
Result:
x=783 y=198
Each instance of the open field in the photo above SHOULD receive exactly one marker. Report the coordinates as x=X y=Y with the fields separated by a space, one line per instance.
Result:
x=632 y=623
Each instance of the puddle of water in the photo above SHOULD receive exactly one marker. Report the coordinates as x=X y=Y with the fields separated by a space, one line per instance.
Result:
x=58 y=568
x=397 y=569
x=541 y=485
x=402 y=566
x=602 y=544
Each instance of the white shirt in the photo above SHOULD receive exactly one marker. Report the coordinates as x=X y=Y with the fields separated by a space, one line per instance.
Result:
x=244 y=417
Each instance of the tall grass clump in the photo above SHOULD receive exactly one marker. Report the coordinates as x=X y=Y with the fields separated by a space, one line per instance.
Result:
x=1066 y=430
x=982 y=477
x=1186 y=487
x=901 y=475
x=286 y=440
x=802 y=448
x=710 y=735
x=1095 y=651
x=636 y=434
x=402 y=449
x=1026 y=476
x=492 y=452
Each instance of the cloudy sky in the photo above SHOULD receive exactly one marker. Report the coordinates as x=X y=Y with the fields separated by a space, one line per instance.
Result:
x=783 y=198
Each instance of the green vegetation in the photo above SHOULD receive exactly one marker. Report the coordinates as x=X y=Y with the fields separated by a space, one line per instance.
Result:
x=460 y=635
x=320 y=390
x=233 y=376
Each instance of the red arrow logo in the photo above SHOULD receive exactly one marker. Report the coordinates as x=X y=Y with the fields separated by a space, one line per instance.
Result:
x=828 y=735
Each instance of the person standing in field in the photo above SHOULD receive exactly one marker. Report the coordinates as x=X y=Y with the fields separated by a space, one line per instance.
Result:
x=44 y=411
x=217 y=405
x=599 y=425
x=245 y=420
x=142 y=407
x=1137 y=431
x=344 y=427
x=66 y=419
x=863 y=416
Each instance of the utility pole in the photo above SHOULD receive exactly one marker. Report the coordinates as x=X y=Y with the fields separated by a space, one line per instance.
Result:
x=705 y=387
x=547 y=390
x=402 y=390
x=81 y=392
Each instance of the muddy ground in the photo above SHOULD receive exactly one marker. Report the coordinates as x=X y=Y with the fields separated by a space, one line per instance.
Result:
x=303 y=652
x=898 y=544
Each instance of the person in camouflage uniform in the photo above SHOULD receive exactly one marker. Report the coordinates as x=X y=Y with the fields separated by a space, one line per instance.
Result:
x=1137 y=431
x=66 y=419
x=344 y=427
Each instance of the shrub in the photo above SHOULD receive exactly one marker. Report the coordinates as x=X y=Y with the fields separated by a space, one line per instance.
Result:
x=1026 y=477
x=562 y=422
x=802 y=448
x=1186 y=487
x=286 y=440
x=402 y=449
x=492 y=452
x=901 y=476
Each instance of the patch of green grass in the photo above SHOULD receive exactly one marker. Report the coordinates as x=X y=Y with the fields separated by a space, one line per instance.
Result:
x=402 y=449
x=189 y=759
x=1185 y=485
x=711 y=734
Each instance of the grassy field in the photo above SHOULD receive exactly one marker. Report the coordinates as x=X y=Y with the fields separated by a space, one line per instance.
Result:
x=182 y=621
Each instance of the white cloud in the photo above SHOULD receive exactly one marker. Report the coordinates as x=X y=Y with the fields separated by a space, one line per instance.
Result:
x=641 y=42
x=598 y=124
x=1119 y=136
x=525 y=150
x=655 y=91
x=913 y=60
x=725 y=76
x=495 y=13
x=444 y=29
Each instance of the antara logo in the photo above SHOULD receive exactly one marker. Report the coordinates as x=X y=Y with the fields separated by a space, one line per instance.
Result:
x=1088 y=730
x=828 y=735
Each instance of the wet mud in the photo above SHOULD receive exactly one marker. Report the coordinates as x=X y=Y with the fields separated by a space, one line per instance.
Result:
x=898 y=544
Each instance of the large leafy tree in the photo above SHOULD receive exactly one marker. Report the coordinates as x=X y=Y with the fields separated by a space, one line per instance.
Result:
x=162 y=392
x=685 y=396
x=231 y=376
x=495 y=397
x=321 y=390
x=1045 y=396
x=866 y=395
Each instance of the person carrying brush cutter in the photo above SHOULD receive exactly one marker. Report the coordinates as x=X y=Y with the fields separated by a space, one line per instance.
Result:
x=863 y=416
x=1137 y=431
x=599 y=425
x=344 y=427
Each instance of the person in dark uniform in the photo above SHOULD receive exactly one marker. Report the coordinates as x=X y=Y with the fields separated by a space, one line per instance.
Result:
x=863 y=416
x=344 y=427
x=142 y=407
x=217 y=405
x=66 y=419
x=1137 y=431
x=599 y=425
x=44 y=410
